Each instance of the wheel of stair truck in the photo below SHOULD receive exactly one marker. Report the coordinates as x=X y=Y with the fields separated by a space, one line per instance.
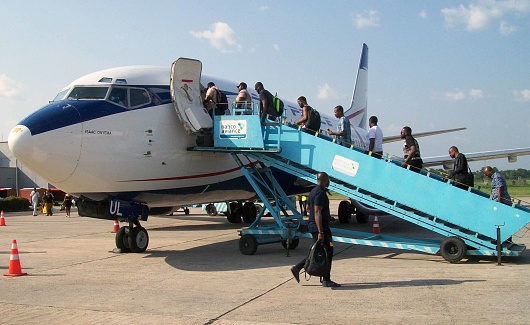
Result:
x=248 y=245
x=249 y=212
x=138 y=239
x=294 y=243
x=453 y=249
x=344 y=212
x=361 y=217
x=122 y=239
x=211 y=210
x=234 y=215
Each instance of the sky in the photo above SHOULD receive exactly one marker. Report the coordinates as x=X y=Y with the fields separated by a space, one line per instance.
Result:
x=432 y=64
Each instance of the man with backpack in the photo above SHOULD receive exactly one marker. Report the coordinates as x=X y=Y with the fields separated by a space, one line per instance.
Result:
x=267 y=110
x=211 y=99
x=318 y=224
x=310 y=120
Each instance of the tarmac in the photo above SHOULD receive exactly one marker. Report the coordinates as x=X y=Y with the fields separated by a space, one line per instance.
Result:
x=194 y=273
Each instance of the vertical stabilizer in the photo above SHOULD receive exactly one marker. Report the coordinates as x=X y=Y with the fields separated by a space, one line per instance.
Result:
x=357 y=113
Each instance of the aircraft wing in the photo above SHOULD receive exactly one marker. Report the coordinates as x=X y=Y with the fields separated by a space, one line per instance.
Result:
x=422 y=134
x=447 y=162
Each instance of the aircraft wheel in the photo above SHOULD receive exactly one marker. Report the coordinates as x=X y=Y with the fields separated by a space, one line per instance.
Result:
x=453 y=249
x=186 y=211
x=361 y=217
x=234 y=216
x=344 y=213
x=249 y=212
x=211 y=210
x=294 y=243
x=258 y=208
x=122 y=239
x=248 y=244
x=138 y=239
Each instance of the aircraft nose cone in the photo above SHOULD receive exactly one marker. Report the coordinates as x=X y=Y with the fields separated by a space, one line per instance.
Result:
x=53 y=155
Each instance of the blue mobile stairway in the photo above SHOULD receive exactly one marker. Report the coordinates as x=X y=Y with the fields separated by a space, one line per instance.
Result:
x=472 y=223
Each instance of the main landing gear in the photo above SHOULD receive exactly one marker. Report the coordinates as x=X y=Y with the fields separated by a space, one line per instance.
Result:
x=132 y=238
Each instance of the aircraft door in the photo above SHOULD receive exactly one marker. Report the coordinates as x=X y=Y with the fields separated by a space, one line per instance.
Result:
x=186 y=95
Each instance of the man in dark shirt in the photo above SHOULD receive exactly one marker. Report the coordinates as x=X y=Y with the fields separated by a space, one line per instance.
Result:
x=265 y=103
x=47 y=198
x=460 y=169
x=411 y=151
x=319 y=218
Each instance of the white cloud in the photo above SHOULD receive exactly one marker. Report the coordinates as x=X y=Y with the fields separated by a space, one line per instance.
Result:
x=459 y=95
x=476 y=94
x=326 y=92
x=423 y=14
x=368 y=19
x=276 y=47
x=263 y=8
x=483 y=13
x=506 y=29
x=8 y=88
x=522 y=95
x=221 y=37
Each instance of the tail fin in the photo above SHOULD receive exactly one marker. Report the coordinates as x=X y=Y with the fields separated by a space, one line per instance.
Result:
x=357 y=113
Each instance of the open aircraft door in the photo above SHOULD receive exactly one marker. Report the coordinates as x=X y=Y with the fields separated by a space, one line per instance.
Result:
x=186 y=96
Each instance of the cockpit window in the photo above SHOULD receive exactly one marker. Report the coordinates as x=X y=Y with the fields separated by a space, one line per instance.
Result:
x=129 y=97
x=139 y=97
x=61 y=95
x=118 y=95
x=88 y=93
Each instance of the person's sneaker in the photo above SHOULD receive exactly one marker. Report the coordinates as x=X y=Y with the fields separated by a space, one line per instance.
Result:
x=296 y=273
x=330 y=284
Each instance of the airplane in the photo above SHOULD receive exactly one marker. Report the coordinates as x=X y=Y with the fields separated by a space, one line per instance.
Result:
x=118 y=139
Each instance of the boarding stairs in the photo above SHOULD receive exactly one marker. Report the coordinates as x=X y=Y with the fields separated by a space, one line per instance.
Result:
x=472 y=223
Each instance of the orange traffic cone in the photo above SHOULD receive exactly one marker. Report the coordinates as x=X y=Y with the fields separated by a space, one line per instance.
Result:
x=116 y=226
x=14 y=262
x=2 y=221
x=375 y=227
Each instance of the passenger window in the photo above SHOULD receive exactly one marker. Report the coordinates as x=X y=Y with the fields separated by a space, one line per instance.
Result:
x=139 y=97
x=118 y=96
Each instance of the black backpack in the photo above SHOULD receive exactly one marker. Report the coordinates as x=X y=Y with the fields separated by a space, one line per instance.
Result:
x=313 y=120
x=222 y=103
x=278 y=105
x=317 y=262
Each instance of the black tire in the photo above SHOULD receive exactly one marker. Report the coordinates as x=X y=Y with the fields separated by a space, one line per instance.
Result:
x=294 y=243
x=211 y=210
x=138 y=239
x=122 y=239
x=249 y=212
x=344 y=212
x=258 y=208
x=453 y=249
x=186 y=211
x=248 y=245
x=361 y=217
x=234 y=216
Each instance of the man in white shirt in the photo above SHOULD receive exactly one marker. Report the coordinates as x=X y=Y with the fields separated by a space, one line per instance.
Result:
x=34 y=195
x=374 y=138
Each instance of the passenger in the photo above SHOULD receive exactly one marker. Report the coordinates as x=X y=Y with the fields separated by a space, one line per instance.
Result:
x=343 y=134
x=499 y=190
x=319 y=219
x=34 y=195
x=302 y=201
x=67 y=204
x=460 y=173
x=47 y=199
x=306 y=109
x=374 y=138
x=267 y=110
x=243 y=99
x=210 y=100
x=411 y=151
